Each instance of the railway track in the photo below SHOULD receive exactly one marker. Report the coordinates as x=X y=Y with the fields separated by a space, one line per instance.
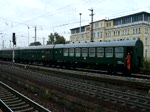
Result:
x=136 y=80
x=40 y=66
x=139 y=102
x=13 y=101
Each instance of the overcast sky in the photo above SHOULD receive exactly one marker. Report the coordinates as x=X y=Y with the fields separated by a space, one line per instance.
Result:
x=60 y=16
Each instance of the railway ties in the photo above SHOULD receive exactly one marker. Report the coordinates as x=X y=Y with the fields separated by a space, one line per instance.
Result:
x=13 y=101
x=101 y=93
x=124 y=98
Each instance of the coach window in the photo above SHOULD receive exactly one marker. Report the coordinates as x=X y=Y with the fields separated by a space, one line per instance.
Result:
x=66 y=52
x=91 y=52
x=84 y=52
x=100 y=52
x=77 y=50
x=119 y=52
x=71 y=52
x=109 y=52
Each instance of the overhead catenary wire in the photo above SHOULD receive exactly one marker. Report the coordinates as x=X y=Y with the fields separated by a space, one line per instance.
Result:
x=12 y=23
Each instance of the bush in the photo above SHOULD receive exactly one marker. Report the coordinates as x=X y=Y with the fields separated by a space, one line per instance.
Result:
x=146 y=65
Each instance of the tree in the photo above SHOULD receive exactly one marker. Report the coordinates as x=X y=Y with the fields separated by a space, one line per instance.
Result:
x=51 y=39
x=55 y=39
x=60 y=40
x=35 y=44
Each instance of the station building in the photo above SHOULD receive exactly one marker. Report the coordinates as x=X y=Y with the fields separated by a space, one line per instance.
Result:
x=129 y=27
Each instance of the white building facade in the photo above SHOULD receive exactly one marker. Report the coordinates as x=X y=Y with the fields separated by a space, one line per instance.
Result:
x=130 y=27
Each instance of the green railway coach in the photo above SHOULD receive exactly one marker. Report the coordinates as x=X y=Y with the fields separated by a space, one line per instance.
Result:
x=110 y=56
x=115 y=56
x=31 y=54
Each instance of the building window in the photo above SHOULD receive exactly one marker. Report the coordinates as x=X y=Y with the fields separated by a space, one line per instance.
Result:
x=94 y=35
x=123 y=32
x=133 y=31
x=87 y=29
x=117 y=22
x=146 y=41
x=137 y=17
x=101 y=34
x=118 y=33
x=146 y=30
x=96 y=25
x=126 y=20
x=145 y=17
x=108 y=34
x=108 y=24
x=136 y=30
x=139 y=30
x=98 y=34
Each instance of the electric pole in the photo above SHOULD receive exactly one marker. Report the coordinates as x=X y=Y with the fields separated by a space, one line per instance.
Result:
x=91 y=24
x=35 y=34
x=14 y=43
x=10 y=43
x=28 y=35
x=80 y=27
x=43 y=41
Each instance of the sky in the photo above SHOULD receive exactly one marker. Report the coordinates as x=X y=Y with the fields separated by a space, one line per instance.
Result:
x=49 y=16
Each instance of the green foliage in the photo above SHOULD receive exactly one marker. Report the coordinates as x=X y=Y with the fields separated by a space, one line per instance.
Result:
x=55 y=39
x=35 y=44
x=51 y=39
x=146 y=65
x=60 y=40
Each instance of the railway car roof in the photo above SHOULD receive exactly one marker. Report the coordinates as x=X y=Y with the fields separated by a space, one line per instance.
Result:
x=100 y=44
x=31 y=47
x=75 y=45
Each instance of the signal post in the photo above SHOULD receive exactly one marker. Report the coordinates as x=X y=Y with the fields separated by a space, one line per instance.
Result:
x=14 y=43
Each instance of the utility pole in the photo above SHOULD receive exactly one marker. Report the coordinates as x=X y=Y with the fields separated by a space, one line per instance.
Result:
x=3 y=44
x=91 y=24
x=80 y=26
x=28 y=35
x=14 y=43
x=43 y=41
x=10 y=43
x=35 y=35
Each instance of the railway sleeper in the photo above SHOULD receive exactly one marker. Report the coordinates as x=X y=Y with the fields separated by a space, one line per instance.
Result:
x=31 y=109
x=16 y=104
x=114 y=101
x=11 y=99
x=20 y=107
x=3 y=95
x=12 y=102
